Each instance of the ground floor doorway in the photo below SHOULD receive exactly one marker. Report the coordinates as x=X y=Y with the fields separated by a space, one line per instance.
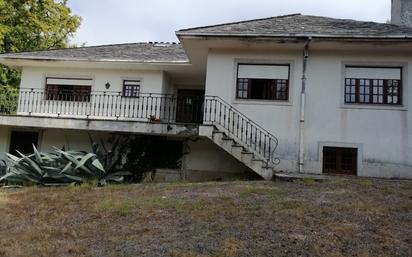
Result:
x=23 y=142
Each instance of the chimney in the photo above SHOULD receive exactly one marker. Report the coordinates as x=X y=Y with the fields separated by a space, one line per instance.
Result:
x=402 y=12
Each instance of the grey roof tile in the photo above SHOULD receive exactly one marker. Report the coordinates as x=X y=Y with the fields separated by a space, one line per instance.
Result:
x=295 y=25
x=133 y=52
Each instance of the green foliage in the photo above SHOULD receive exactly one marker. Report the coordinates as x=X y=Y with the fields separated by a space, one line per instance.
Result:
x=8 y=99
x=33 y=25
x=61 y=167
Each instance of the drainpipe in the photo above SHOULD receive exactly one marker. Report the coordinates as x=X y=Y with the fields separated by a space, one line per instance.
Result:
x=302 y=106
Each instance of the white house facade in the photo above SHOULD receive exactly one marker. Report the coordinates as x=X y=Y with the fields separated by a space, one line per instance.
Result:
x=295 y=93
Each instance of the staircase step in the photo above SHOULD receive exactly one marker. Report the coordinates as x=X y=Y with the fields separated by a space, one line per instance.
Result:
x=247 y=158
x=237 y=152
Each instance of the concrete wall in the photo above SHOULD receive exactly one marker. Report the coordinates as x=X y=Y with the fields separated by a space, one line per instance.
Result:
x=203 y=155
x=279 y=118
x=402 y=12
x=151 y=81
x=383 y=134
x=49 y=138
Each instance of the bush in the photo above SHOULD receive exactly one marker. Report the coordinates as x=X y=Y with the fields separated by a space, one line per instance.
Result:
x=61 y=167
x=8 y=99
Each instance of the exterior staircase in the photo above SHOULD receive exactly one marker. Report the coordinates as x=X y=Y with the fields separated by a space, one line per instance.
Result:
x=239 y=136
x=239 y=151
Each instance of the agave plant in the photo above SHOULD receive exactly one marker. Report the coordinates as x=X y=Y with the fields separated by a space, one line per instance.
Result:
x=61 y=167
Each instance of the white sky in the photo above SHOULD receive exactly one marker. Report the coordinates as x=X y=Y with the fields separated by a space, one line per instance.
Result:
x=123 y=21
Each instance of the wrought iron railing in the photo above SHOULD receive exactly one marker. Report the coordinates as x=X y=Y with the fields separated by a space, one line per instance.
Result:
x=148 y=107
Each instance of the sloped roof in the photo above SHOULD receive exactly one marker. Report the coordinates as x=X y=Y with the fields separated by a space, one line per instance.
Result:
x=298 y=25
x=133 y=52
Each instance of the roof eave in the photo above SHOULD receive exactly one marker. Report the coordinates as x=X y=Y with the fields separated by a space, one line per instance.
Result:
x=149 y=62
x=183 y=35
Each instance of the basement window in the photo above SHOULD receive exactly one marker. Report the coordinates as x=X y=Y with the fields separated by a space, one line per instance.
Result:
x=373 y=85
x=263 y=82
x=339 y=160
x=131 y=88
x=68 y=89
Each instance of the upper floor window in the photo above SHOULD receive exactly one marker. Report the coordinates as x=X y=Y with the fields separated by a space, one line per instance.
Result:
x=373 y=85
x=131 y=88
x=68 y=89
x=263 y=82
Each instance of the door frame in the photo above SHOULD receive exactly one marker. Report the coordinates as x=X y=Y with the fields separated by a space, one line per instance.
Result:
x=185 y=91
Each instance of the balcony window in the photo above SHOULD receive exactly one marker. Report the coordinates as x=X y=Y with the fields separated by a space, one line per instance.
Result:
x=131 y=88
x=373 y=85
x=263 y=82
x=68 y=89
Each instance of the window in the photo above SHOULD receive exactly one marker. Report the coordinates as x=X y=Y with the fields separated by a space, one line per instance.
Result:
x=131 y=88
x=68 y=89
x=338 y=160
x=373 y=85
x=263 y=82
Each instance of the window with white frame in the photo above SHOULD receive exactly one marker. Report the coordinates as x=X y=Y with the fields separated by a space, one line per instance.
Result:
x=131 y=88
x=263 y=82
x=68 y=89
x=373 y=85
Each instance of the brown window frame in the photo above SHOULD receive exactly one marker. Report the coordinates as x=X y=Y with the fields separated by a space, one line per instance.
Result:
x=70 y=93
x=340 y=160
x=380 y=91
x=134 y=93
x=274 y=90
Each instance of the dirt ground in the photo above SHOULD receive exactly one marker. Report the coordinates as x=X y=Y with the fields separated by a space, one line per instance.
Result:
x=354 y=217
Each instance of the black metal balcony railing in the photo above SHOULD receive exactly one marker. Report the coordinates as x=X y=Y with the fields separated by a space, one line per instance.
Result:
x=148 y=107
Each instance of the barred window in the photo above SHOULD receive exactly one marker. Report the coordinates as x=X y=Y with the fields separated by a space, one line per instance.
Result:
x=263 y=82
x=131 y=88
x=373 y=86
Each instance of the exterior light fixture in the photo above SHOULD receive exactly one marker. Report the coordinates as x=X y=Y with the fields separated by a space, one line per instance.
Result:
x=107 y=85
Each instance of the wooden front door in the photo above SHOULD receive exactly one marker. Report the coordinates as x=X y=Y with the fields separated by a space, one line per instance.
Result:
x=23 y=142
x=339 y=160
x=190 y=106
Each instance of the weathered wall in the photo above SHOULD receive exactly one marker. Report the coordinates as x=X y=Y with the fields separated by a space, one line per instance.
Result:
x=49 y=138
x=402 y=12
x=382 y=134
x=151 y=81
x=203 y=155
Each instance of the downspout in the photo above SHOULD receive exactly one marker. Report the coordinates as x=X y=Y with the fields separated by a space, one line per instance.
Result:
x=302 y=106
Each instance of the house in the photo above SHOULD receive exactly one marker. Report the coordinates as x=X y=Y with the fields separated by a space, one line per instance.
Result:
x=293 y=93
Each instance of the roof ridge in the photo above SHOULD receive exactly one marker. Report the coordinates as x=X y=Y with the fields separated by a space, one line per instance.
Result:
x=237 y=22
x=95 y=46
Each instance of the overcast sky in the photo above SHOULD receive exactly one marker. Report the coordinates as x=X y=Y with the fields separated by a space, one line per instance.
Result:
x=123 y=21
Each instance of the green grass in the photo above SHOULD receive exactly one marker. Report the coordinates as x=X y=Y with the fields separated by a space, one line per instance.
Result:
x=306 y=182
x=127 y=206
x=267 y=191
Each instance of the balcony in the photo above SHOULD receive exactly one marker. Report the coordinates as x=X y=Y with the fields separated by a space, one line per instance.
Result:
x=147 y=107
x=146 y=113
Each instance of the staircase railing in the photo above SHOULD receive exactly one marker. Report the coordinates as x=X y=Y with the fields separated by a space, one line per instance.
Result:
x=147 y=107
x=247 y=132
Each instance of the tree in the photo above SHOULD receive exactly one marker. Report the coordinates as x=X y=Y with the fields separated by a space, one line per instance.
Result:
x=29 y=25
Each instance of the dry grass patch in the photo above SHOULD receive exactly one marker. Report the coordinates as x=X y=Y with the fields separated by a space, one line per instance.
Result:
x=209 y=220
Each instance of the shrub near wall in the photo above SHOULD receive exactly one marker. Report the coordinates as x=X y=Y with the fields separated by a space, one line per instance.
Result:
x=8 y=99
